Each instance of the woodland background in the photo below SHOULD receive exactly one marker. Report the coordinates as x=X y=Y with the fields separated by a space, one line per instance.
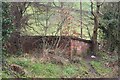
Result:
x=94 y=21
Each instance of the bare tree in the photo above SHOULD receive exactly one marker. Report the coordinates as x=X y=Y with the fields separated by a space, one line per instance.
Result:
x=18 y=10
x=96 y=24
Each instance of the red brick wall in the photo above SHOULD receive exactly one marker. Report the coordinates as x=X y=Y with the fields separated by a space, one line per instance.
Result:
x=30 y=43
x=79 y=47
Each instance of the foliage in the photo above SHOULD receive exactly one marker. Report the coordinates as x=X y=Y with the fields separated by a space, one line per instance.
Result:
x=109 y=25
x=7 y=30
x=7 y=25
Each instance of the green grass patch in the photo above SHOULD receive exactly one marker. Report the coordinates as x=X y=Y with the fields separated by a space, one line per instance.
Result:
x=38 y=69
x=46 y=70
x=100 y=68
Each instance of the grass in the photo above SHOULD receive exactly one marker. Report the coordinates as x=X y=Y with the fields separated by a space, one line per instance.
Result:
x=99 y=67
x=36 y=68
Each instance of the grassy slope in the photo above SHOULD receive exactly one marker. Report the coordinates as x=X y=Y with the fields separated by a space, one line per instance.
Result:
x=35 y=68
x=52 y=27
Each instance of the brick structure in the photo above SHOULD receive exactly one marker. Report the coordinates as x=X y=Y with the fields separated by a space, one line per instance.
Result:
x=79 y=46
x=67 y=44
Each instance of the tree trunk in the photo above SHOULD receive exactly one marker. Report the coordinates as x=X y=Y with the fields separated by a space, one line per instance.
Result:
x=81 y=18
x=94 y=37
x=61 y=15
x=17 y=10
x=96 y=24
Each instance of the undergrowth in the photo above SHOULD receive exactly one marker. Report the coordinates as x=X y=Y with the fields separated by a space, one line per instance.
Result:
x=37 y=69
